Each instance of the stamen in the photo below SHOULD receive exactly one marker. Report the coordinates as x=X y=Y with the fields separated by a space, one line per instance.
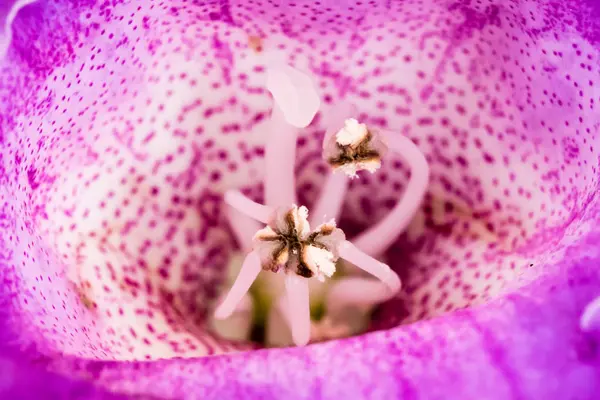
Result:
x=379 y=237
x=327 y=329
x=243 y=227
x=238 y=325
x=329 y=204
x=248 y=207
x=362 y=260
x=354 y=148
x=296 y=103
x=330 y=200
x=298 y=313
x=346 y=150
x=590 y=318
x=287 y=244
x=247 y=275
x=357 y=292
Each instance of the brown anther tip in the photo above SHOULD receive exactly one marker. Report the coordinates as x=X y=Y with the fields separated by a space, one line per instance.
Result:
x=267 y=238
x=304 y=271
x=361 y=152
x=327 y=229
x=288 y=244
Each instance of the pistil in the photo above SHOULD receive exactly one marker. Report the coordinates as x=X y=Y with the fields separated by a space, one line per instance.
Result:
x=296 y=103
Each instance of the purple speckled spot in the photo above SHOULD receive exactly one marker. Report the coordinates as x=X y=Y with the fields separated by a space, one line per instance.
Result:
x=122 y=123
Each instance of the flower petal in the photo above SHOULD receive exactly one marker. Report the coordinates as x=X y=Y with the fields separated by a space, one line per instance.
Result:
x=122 y=124
x=8 y=12
x=118 y=224
x=526 y=345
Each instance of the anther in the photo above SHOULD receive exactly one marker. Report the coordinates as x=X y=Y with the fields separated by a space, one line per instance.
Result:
x=288 y=245
x=354 y=148
x=379 y=237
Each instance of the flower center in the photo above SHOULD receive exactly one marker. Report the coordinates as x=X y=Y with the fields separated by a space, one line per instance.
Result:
x=287 y=243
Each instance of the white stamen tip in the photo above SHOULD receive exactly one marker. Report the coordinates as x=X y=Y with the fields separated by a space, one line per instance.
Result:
x=321 y=260
x=590 y=318
x=351 y=170
x=294 y=94
x=353 y=132
x=354 y=148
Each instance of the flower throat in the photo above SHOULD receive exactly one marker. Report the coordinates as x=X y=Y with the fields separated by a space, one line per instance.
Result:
x=290 y=306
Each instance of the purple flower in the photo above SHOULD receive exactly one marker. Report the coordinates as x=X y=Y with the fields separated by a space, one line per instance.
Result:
x=123 y=122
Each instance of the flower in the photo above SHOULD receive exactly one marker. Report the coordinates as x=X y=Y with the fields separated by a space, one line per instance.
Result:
x=122 y=124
